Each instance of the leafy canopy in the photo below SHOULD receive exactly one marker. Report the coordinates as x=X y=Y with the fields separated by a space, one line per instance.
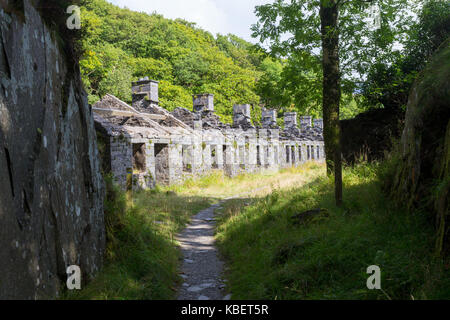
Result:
x=120 y=46
x=390 y=84
x=291 y=30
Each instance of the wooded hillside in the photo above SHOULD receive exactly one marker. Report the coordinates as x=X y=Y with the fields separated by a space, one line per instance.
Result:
x=120 y=45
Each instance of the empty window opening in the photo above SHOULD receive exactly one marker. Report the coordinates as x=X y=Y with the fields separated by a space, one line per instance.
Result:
x=288 y=155
x=225 y=155
x=318 y=152
x=299 y=153
x=308 y=153
x=242 y=156
x=187 y=158
x=138 y=157
x=275 y=152
x=162 y=163
x=258 y=156
x=293 y=154
x=214 y=162
x=247 y=147
x=266 y=157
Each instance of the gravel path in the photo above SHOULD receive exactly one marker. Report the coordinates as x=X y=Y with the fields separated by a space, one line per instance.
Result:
x=201 y=268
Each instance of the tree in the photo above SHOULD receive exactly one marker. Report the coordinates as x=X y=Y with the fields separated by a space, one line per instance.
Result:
x=117 y=82
x=389 y=84
x=267 y=85
x=184 y=58
x=329 y=15
x=317 y=27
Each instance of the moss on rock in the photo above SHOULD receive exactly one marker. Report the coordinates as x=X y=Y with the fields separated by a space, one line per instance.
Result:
x=420 y=178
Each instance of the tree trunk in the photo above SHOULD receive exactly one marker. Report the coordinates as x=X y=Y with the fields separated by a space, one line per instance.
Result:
x=329 y=15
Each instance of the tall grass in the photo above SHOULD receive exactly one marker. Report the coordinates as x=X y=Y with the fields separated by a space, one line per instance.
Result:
x=271 y=257
x=141 y=254
x=218 y=185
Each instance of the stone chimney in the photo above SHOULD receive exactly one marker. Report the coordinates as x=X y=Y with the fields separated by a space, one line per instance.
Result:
x=203 y=102
x=305 y=122
x=242 y=116
x=145 y=89
x=269 y=118
x=318 y=123
x=290 y=120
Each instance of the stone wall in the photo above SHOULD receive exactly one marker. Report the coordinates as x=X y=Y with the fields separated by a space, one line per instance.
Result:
x=51 y=195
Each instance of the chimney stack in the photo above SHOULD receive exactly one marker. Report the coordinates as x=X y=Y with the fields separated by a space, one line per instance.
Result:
x=203 y=102
x=305 y=122
x=242 y=116
x=290 y=120
x=145 y=89
x=318 y=123
x=268 y=118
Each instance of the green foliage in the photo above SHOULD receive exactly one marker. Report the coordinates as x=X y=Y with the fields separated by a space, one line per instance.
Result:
x=172 y=96
x=390 y=84
x=120 y=46
x=292 y=29
x=152 y=68
x=116 y=82
x=432 y=30
x=270 y=257
x=190 y=70
x=268 y=86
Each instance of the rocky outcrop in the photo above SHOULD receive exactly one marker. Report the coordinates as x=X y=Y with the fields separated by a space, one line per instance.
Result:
x=368 y=135
x=421 y=176
x=51 y=191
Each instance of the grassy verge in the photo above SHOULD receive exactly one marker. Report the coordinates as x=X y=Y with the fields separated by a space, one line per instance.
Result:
x=271 y=257
x=218 y=185
x=141 y=255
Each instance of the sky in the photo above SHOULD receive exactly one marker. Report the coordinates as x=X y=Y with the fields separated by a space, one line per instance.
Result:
x=215 y=16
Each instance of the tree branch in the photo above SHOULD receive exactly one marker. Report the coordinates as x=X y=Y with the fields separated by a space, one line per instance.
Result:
x=339 y=2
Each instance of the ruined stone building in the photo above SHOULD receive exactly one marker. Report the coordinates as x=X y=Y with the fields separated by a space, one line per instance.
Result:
x=143 y=144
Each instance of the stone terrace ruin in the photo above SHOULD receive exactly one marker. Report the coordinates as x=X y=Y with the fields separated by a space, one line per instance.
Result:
x=143 y=145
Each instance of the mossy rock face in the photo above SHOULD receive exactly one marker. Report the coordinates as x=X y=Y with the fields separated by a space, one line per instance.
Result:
x=370 y=134
x=40 y=80
x=421 y=178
